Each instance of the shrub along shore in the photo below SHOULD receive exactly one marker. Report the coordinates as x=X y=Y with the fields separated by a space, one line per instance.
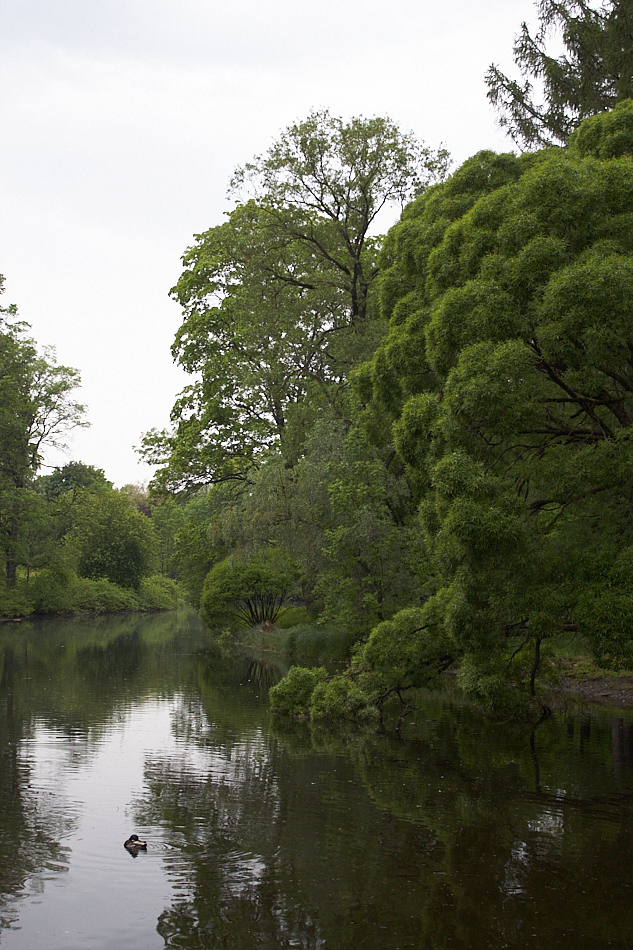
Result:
x=70 y=594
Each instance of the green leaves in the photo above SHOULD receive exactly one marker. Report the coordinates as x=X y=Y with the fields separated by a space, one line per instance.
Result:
x=278 y=301
x=251 y=591
x=595 y=73
x=515 y=418
x=112 y=540
x=36 y=411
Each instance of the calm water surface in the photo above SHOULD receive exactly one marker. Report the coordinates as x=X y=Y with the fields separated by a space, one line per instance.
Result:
x=462 y=835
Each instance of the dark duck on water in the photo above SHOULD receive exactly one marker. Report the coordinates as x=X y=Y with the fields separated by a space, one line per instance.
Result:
x=134 y=845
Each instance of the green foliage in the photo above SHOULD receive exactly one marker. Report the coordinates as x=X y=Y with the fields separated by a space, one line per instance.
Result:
x=112 y=540
x=58 y=590
x=53 y=590
x=507 y=373
x=73 y=511
x=197 y=540
x=72 y=477
x=300 y=642
x=373 y=556
x=342 y=698
x=608 y=135
x=13 y=602
x=36 y=411
x=167 y=518
x=292 y=695
x=102 y=596
x=595 y=74
x=158 y=593
x=464 y=494
x=267 y=450
x=247 y=591
x=277 y=300
x=340 y=513
x=405 y=653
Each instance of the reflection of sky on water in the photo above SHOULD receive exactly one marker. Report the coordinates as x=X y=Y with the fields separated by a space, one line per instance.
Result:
x=462 y=837
x=82 y=791
x=548 y=823
x=242 y=874
x=87 y=789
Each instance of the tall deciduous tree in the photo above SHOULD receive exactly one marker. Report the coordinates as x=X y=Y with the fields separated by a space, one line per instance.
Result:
x=508 y=372
x=514 y=399
x=277 y=299
x=324 y=183
x=593 y=75
x=72 y=478
x=36 y=411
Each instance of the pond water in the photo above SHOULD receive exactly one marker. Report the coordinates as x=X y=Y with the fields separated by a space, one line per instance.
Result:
x=460 y=835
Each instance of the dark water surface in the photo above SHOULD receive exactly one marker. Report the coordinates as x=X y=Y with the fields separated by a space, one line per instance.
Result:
x=462 y=835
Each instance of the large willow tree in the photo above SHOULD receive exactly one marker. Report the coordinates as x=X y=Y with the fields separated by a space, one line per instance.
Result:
x=508 y=375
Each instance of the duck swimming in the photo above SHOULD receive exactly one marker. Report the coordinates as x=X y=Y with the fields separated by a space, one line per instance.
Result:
x=134 y=844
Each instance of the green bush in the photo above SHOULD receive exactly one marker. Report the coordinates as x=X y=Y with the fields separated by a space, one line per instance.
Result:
x=52 y=590
x=13 y=603
x=407 y=652
x=342 y=698
x=57 y=589
x=158 y=593
x=112 y=539
x=103 y=596
x=292 y=696
x=247 y=592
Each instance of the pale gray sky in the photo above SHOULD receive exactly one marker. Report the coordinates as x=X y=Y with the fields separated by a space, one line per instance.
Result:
x=123 y=120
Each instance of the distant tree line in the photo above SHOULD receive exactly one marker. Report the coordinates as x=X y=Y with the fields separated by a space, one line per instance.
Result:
x=68 y=540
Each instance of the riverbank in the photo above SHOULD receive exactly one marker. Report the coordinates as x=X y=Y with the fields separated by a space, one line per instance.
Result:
x=574 y=678
x=611 y=689
x=64 y=594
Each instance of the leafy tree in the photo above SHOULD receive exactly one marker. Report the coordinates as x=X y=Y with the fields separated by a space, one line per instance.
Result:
x=341 y=515
x=72 y=477
x=371 y=556
x=198 y=542
x=514 y=403
x=277 y=299
x=595 y=73
x=112 y=540
x=36 y=411
x=167 y=518
x=139 y=497
x=323 y=185
x=257 y=350
x=250 y=591
x=507 y=372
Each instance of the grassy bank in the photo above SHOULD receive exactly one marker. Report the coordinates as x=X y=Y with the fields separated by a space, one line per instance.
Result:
x=63 y=592
x=295 y=636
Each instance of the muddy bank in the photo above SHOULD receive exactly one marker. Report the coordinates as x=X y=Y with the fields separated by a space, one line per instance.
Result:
x=605 y=690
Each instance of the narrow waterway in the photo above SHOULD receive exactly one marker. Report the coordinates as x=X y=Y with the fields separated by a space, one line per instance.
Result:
x=461 y=835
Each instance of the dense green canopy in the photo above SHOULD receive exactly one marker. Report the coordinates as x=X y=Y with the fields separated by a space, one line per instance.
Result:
x=277 y=301
x=507 y=373
x=36 y=411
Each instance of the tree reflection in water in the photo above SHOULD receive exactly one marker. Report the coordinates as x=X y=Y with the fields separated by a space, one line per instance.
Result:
x=463 y=835
x=30 y=824
x=450 y=839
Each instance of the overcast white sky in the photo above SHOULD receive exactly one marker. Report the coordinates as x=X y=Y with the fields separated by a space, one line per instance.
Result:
x=123 y=120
